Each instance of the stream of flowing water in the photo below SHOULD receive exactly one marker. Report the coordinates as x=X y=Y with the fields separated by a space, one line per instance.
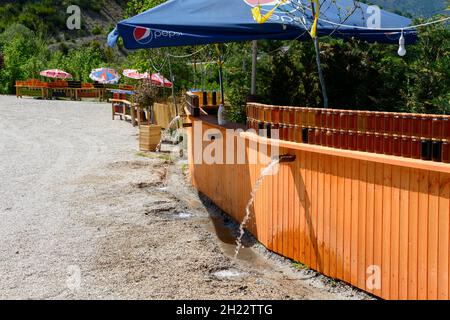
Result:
x=170 y=126
x=267 y=171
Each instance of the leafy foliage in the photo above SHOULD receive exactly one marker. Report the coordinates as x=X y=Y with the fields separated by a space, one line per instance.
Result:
x=358 y=75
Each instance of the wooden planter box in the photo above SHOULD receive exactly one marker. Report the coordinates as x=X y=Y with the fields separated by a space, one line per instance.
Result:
x=149 y=137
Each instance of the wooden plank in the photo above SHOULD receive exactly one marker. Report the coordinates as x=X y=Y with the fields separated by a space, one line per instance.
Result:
x=362 y=225
x=340 y=219
x=269 y=212
x=308 y=210
x=433 y=236
x=404 y=236
x=354 y=223
x=395 y=233
x=320 y=212
x=314 y=201
x=297 y=205
x=290 y=169
x=334 y=216
x=327 y=216
x=370 y=225
x=284 y=215
x=347 y=221
x=413 y=234
x=278 y=208
x=357 y=155
x=422 y=249
x=303 y=207
x=444 y=221
x=386 y=239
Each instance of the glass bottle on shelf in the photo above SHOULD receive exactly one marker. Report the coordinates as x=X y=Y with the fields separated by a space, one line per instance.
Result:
x=436 y=128
x=446 y=151
x=292 y=116
x=425 y=127
x=336 y=139
x=406 y=147
x=344 y=120
x=397 y=146
x=397 y=124
x=416 y=148
x=388 y=144
x=445 y=128
x=370 y=142
x=436 y=152
x=336 y=120
x=329 y=120
x=352 y=121
x=406 y=129
x=362 y=141
x=388 y=122
x=378 y=141
x=352 y=140
x=276 y=114
x=343 y=139
x=415 y=122
x=371 y=125
x=379 y=123
x=426 y=149
x=305 y=135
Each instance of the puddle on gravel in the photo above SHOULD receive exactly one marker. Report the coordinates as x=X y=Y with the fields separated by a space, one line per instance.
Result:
x=229 y=274
x=227 y=241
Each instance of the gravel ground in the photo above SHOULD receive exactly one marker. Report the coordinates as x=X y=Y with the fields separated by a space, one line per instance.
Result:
x=84 y=215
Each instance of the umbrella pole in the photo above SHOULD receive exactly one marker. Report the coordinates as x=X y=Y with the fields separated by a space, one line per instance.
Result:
x=222 y=91
x=321 y=77
x=221 y=84
x=173 y=87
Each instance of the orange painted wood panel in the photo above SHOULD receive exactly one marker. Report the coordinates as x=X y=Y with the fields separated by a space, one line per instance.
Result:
x=348 y=218
x=395 y=234
x=444 y=226
x=333 y=217
x=362 y=225
x=413 y=225
x=433 y=235
x=354 y=226
x=403 y=233
x=370 y=225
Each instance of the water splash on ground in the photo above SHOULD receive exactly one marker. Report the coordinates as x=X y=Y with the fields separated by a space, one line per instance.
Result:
x=271 y=169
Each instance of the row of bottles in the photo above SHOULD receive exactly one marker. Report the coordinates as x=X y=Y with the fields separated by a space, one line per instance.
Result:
x=418 y=125
x=425 y=137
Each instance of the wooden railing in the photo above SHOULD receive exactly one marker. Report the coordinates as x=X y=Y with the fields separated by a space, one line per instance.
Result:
x=378 y=222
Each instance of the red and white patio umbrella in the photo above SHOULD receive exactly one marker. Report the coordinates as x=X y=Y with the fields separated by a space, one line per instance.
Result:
x=56 y=73
x=134 y=74
x=160 y=81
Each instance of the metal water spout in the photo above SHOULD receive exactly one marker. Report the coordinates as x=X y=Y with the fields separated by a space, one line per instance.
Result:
x=286 y=158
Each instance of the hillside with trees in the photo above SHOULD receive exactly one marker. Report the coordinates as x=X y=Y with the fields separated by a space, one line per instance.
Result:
x=358 y=75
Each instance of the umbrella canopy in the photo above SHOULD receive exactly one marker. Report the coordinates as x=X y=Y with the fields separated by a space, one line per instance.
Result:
x=159 y=80
x=217 y=21
x=105 y=76
x=56 y=73
x=134 y=74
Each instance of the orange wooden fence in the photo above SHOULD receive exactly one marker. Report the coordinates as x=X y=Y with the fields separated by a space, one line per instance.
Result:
x=346 y=214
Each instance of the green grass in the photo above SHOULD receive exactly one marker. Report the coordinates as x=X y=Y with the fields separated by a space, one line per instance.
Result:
x=300 y=266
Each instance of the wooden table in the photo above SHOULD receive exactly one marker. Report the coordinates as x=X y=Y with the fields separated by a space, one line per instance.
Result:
x=135 y=115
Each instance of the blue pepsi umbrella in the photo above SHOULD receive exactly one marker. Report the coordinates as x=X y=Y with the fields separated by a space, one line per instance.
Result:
x=194 y=22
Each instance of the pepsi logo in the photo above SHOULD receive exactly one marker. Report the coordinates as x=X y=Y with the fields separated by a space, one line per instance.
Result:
x=143 y=35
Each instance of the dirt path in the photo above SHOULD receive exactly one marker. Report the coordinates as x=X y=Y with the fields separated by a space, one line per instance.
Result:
x=84 y=215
